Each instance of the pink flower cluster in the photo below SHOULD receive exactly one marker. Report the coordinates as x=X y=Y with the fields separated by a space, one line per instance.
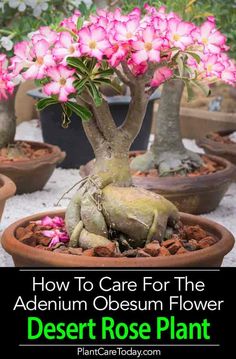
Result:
x=56 y=229
x=135 y=39
x=6 y=85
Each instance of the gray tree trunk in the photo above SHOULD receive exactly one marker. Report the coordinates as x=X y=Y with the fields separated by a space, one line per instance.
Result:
x=168 y=153
x=7 y=121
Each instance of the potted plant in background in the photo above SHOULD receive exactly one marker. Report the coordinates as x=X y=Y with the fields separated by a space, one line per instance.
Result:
x=221 y=141
x=23 y=159
x=194 y=184
x=107 y=216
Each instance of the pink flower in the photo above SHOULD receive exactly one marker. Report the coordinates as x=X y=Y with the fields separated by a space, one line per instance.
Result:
x=208 y=36
x=65 y=47
x=42 y=59
x=213 y=66
x=147 y=48
x=93 y=41
x=45 y=33
x=57 y=236
x=54 y=222
x=6 y=85
x=116 y=53
x=138 y=69
x=71 y=22
x=179 y=33
x=62 y=82
x=36 y=57
x=22 y=58
x=161 y=75
x=228 y=75
x=126 y=31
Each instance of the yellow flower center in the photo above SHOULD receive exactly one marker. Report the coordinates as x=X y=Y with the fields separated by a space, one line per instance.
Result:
x=92 y=44
x=129 y=35
x=204 y=40
x=148 y=46
x=40 y=61
x=209 y=67
x=62 y=82
x=71 y=49
x=176 y=37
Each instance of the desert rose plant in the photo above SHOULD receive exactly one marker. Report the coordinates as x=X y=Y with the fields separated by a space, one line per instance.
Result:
x=18 y=18
x=168 y=154
x=73 y=63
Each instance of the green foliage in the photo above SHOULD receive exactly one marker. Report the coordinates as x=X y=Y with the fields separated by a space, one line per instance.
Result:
x=89 y=77
x=45 y=102
x=225 y=13
x=17 y=25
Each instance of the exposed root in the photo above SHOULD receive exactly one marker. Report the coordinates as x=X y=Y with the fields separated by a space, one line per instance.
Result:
x=169 y=163
x=95 y=215
x=143 y=162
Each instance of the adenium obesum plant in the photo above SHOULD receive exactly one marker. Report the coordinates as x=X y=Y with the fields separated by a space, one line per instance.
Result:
x=143 y=51
x=167 y=153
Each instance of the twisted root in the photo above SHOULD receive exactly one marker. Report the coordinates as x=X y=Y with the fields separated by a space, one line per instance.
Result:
x=95 y=211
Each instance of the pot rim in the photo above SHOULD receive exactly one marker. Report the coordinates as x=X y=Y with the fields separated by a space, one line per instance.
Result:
x=182 y=183
x=46 y=258
x=112 y=100
x=217 y=147
x=55 y=156
x=7 y=188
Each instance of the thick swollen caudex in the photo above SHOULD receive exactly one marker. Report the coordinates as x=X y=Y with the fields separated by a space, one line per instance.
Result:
x=168 y=153
x=139 y=214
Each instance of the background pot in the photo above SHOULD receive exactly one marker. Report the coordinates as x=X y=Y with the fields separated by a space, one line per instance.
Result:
x=196 y=195
x=7 y=190
x=32 y=175
x=24 y=255
x=225 y=150
x=73 y=139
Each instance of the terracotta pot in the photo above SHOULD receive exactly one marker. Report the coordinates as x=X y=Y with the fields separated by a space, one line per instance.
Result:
x=32 y=175
x=225 y=150
x=7 y=190
x=196 y=195
x=24 y=255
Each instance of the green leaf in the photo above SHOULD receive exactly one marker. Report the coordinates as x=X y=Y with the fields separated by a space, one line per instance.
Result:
x=195 y=56
x=190 y=91
x=80 y=84
x=79 y=110
x=99 y=80
x=77 y=64
x=92 y=64
x=80 y=23
x=180 y=65
x=105 y=73
x=43 y=103
x=94 y=92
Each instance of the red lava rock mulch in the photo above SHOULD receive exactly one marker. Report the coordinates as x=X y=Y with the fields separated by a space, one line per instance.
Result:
x=208 y=167
x=49 y=234
x=221 y=139
x=21 y=151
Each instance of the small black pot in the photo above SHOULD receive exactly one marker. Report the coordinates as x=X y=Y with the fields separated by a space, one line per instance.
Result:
x=73 y=139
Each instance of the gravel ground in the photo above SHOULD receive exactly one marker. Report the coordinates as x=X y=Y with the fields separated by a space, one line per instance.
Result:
x=61 y=180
